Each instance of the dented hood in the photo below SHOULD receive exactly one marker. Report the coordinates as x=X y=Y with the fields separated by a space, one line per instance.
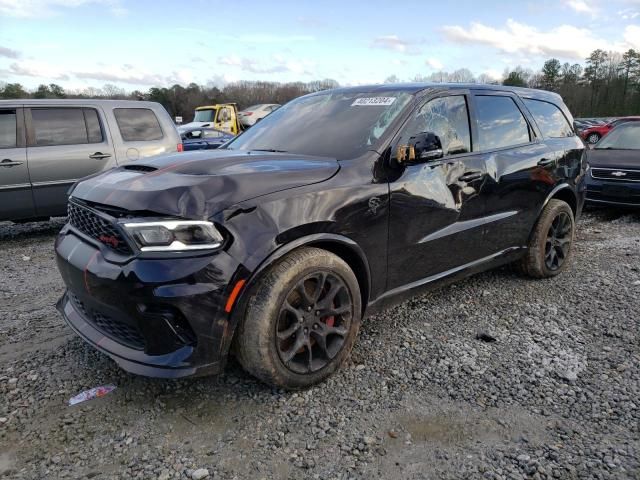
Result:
x=200 y=184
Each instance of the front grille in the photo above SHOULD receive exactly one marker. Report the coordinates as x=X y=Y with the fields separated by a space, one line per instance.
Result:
x=116 y=329
x=616 y=174
x=94 y=226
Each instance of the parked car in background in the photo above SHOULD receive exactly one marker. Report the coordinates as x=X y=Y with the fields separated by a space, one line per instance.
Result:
x=222 y=116
x=255 y=113
x=614 y=168
x=334 y=206
x=204 y=138
x=593 y=134
x=47 y=145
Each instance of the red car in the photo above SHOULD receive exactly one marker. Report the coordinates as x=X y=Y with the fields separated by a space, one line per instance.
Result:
x=594 y=134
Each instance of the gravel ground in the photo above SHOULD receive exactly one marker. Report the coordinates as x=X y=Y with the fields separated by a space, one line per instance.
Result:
x=557 y=395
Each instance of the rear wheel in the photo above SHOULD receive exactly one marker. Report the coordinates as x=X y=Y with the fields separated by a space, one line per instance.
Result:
x=301 y=320
x=551 y=244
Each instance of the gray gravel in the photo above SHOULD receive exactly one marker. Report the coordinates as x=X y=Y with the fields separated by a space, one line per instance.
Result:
x=556 y=395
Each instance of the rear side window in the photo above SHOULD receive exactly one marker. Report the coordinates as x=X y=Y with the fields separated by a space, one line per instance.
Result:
x=65 y=126
x=549 y=118
x=446 y=117
x=137 y=124
x=8 y=129
x=500 y=123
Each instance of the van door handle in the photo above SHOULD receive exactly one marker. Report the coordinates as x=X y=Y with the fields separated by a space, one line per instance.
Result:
x=545 y=162
x=99 y=155
x=471 y=176
x=7 y=162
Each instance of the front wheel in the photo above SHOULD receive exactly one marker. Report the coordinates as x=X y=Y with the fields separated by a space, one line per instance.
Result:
x=301 y=320
x=551 y=243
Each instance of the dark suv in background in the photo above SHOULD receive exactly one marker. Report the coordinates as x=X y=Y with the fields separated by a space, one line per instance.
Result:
x=334 y=206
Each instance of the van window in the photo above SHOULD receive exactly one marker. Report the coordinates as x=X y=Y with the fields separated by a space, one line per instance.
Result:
x=137 y=124
x=448 y=118
x=59 y=126
x=549 y=118
x=500 y=123
x=8 y=129
x=94 y=132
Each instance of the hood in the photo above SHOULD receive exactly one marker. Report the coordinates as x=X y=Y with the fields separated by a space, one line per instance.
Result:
x=200 y=184
x=614 y=158
x=190 y=125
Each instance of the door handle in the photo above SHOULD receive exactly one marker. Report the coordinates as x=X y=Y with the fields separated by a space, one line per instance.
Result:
x=7 y=162
x=100 y=155
x=470 y=176
x=545 y=162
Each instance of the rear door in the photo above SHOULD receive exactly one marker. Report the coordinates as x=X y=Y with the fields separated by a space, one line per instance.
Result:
x=16 y=200
x=520 y=167
x=64 y=144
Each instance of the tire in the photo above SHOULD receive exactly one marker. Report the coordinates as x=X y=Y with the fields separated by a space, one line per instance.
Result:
x=282 y=343
x=593 y=138
x=548 y=256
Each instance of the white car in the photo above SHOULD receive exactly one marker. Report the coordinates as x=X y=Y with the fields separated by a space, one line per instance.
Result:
x=251 y=115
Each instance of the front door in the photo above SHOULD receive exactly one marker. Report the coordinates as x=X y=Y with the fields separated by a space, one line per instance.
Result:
x=435 y=206
x=16 y=200
x=64 y=144
x=224 y=120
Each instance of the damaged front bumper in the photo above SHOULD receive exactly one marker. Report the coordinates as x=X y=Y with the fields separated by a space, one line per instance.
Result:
x=158 y=317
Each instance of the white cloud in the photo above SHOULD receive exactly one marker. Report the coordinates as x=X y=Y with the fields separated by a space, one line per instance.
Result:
x=134 y=76
x=42 y=8
x=632 y=36
x=395 y=43
x=8 y=52
x=434 y=63
x=583 y=6
x=565 y=41
x=277 y=64
x=32 y=68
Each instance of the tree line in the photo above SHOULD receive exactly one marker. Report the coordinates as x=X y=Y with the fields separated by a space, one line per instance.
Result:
x=607 y=85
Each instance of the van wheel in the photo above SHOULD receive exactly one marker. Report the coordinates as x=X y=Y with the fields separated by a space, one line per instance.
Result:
x=551 y=243
x=301 y=320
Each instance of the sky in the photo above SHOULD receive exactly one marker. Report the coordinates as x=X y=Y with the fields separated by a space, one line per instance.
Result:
x=139 y=44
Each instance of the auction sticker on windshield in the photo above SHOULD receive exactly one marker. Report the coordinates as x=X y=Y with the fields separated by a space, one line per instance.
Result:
x=377 y=101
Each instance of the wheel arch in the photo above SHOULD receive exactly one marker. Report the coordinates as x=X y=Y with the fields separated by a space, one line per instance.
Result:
x=339 y=245
x=562 y=192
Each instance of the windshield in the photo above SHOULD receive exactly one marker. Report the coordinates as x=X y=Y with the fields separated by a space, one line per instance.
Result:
x=204 y=115
x=334 y=124
x=623 y=137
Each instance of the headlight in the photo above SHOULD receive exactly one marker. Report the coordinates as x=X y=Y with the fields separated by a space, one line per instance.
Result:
x=174 y=235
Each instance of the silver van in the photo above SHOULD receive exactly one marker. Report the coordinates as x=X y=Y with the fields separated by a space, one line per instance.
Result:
x=46 y=145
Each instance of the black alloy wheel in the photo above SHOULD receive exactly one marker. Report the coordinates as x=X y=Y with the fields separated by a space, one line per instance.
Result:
x=558 y=241
x=313 y=322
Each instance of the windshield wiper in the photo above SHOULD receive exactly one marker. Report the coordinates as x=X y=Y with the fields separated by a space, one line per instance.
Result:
x=268 y=150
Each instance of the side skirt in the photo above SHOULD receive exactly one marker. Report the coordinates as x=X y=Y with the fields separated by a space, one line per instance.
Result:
x=400 y=294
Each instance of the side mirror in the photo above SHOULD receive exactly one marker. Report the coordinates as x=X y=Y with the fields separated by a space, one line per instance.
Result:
x=427 y=146
x=423 y=147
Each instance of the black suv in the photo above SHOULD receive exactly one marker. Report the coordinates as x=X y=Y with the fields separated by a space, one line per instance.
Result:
x=277 y=245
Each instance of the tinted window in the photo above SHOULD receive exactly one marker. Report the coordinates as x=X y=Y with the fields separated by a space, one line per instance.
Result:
x=500 y=123
x=8 y=130
x=211 y=134
x=448 y=118
x=59 y=126
x=137 y=124
x=549 y=118
x=94 y=132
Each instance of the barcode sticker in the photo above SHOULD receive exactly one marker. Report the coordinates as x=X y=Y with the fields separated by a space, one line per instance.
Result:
x=376 y=101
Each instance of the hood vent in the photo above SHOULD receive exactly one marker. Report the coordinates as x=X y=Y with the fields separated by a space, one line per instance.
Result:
x=140 y=168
